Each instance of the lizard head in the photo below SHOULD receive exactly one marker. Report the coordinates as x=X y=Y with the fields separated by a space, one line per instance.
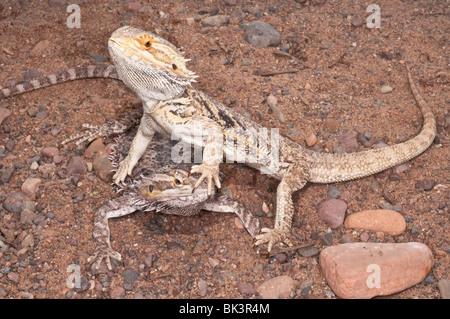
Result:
x=170 y=193
x=150 y=65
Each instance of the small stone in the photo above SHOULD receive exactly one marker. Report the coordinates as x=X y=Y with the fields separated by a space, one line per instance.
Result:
x=134 y=6
x=308 y=251
x=366 y=270
x=148 y=261
x=345 y=239
x=6 y=173
x=238 y=223
x=130 y=276
x=425 y=184
x=4 y=113
x=364 y=237
x=331 y=125
x=76 y=169
x=42 y=47
x=202 y=287
x=348 y=142
x=276 y=288
x=30 y=186
x=311 y=140
x=14 y=277
x=57 y=3
x=13 y=203
x=357 y=21
x=272 y=102
x=332 y=212
x=378 y=220
x=50 y=152
x=103 y=167
x=246 y=289
x=173 y=245
x=333 y=192
x=215 y=21
x=27 y=216
x=327 y=239
x=444 y=288
x=386 y=89
x=117 y=292
x=260 y=34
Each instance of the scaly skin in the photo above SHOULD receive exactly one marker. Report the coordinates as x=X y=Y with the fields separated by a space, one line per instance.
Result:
x=158 y=185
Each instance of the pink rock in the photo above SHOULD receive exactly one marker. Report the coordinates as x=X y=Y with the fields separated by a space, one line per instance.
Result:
x=377 y=220
x=366 y=270
x=135 y=5
x=4 y=113
x=332 y=212
x=30 y=186
x=276 y=288
x=50 y=151
x=117 y=292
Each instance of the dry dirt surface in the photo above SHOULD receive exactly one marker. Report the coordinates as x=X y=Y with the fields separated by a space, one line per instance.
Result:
x=337 y=67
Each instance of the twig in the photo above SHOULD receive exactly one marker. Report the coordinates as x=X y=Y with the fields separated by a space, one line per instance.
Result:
x=270 y=73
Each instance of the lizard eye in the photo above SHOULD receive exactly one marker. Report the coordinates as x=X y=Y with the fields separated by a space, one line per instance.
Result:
x=174 y=67
x=148 y=44
x=150 y=188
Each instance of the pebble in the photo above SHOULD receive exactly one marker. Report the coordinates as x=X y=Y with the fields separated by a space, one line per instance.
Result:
x=425 y=184
x=386 y=89
x=366 y=270
x=327 y=239
x=311 y=140
x=6 y=174
x=27 y=216
x=50 y=152
x=246 y=289
x=333 y=192
x=202 y=287
x=377 y=220
x=331 y=125
x=13 y=203
x=103 y=167
x=310 y=251
x=4 y=113
x=129 y=277
x=272 y=102
x=76 y=169
x=134 y=6
x=348 y=142
x=332 y=212
x=117 y=292
x=357 y=21
x=276 y=288
x=261 y=34
x=42 y=47
x=444 y=288
x=216 y=20
x=14 y=277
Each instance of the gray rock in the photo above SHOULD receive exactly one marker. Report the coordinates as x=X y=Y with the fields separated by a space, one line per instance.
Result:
x=216 y=21
x=308 y=251
x=333 y=192
x=4 y=113
x=6 y=173
x=260 y=34
x=129 y=277
x=13 y=203
x=425 y=184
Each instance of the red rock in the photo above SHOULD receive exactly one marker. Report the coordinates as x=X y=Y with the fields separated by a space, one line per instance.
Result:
x=134 y=6
x=377 y=220
x=311 y=140
x=332 y=212
x=117 y=292
x=366 y=270
x=276 y=288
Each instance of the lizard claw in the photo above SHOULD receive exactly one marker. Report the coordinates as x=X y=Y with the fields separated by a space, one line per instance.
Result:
x=272 y=237
x=105 y=253
x=209 y=172
x=125 y=168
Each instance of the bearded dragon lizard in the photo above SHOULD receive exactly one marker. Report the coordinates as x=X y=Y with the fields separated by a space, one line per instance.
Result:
x=156 y=71
x=158 y=185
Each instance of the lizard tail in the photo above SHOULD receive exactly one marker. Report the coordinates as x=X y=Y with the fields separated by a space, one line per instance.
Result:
x=84 y=72
x=328 y=168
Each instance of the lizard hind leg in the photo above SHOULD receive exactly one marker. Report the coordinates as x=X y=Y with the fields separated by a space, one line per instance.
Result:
x=294 y=179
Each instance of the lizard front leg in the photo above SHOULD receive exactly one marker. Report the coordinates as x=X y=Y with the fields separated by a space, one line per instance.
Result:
x=212 y=156
x=293 y=180
x=140 y=142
